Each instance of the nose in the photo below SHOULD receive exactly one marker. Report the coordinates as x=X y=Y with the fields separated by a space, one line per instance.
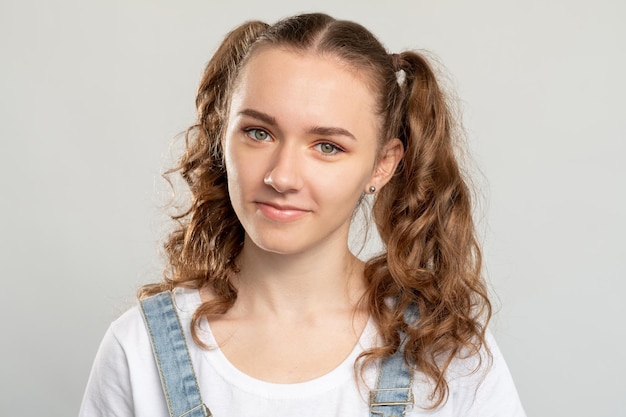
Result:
x=284 y=173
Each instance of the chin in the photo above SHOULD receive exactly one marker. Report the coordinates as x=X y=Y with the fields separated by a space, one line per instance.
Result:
x=278 y=248
x=279 y=245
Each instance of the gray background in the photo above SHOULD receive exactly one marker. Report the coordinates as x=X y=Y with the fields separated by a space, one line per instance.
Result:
x=92 y=93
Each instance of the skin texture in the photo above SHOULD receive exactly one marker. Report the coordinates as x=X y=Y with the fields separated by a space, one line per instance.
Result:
x=301 y=147
x=293 y=181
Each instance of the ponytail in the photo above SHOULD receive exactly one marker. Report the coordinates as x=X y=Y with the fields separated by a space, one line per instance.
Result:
x=215 y=85
x=424 y=217
x=202 y=249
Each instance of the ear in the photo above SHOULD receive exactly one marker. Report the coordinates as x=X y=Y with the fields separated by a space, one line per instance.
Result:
x=388 y=161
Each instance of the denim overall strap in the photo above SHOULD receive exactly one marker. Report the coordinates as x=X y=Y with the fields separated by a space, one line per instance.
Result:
x=393 y=391
x=172 y=357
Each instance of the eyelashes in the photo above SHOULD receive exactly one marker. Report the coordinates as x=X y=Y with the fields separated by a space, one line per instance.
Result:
x=328 y=148
x=258 y=134
x=325 y=148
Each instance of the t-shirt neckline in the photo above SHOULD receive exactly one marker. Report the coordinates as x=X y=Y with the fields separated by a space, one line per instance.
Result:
x=187 y=302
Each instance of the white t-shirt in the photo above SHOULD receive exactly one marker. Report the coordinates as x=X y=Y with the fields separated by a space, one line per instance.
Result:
x=124 y=380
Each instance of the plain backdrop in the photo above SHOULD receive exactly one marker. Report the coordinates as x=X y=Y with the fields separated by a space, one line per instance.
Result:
x=92 y=94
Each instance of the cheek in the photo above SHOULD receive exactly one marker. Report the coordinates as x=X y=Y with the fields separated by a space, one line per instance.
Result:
x=232 y=172
x=243 y=169
x=345 y=186
x=232 y=161
x=228 y=154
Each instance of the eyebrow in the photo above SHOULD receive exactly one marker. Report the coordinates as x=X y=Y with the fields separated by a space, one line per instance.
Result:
x=316 y=130
x=264 y=117
x=331 y=131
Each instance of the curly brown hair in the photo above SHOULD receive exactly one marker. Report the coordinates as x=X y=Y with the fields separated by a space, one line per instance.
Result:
x=432 y=259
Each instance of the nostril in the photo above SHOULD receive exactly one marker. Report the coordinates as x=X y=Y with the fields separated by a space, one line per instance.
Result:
x=283 y=181
x=284 y=172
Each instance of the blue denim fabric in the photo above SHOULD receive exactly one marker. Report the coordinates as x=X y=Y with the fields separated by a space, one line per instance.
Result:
x=393 y=391
x=172 y=357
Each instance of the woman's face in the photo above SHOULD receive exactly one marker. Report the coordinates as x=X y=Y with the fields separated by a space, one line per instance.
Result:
x=300 y=149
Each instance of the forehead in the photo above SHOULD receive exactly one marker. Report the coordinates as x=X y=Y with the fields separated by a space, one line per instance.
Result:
x=304 y=84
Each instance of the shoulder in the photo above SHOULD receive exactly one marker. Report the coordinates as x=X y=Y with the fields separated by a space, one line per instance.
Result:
x=130 y=330
x=126 y=344
x=122 y=354
x=124 y=379
x=481 y=385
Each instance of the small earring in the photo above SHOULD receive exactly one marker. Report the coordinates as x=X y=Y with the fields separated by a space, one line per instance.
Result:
x=372 y=189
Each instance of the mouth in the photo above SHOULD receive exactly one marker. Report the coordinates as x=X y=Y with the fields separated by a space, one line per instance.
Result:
x=281 y=213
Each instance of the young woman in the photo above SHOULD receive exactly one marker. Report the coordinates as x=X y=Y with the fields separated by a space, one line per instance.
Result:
x=299 y=124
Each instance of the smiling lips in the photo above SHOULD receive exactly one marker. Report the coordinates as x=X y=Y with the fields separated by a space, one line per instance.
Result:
x=281 y=213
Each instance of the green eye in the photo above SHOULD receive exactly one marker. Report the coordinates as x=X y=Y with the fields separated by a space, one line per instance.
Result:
x=258 y=134
x=328 y=148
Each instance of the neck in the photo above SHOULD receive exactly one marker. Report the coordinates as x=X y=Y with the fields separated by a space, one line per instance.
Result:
x=297 y=284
